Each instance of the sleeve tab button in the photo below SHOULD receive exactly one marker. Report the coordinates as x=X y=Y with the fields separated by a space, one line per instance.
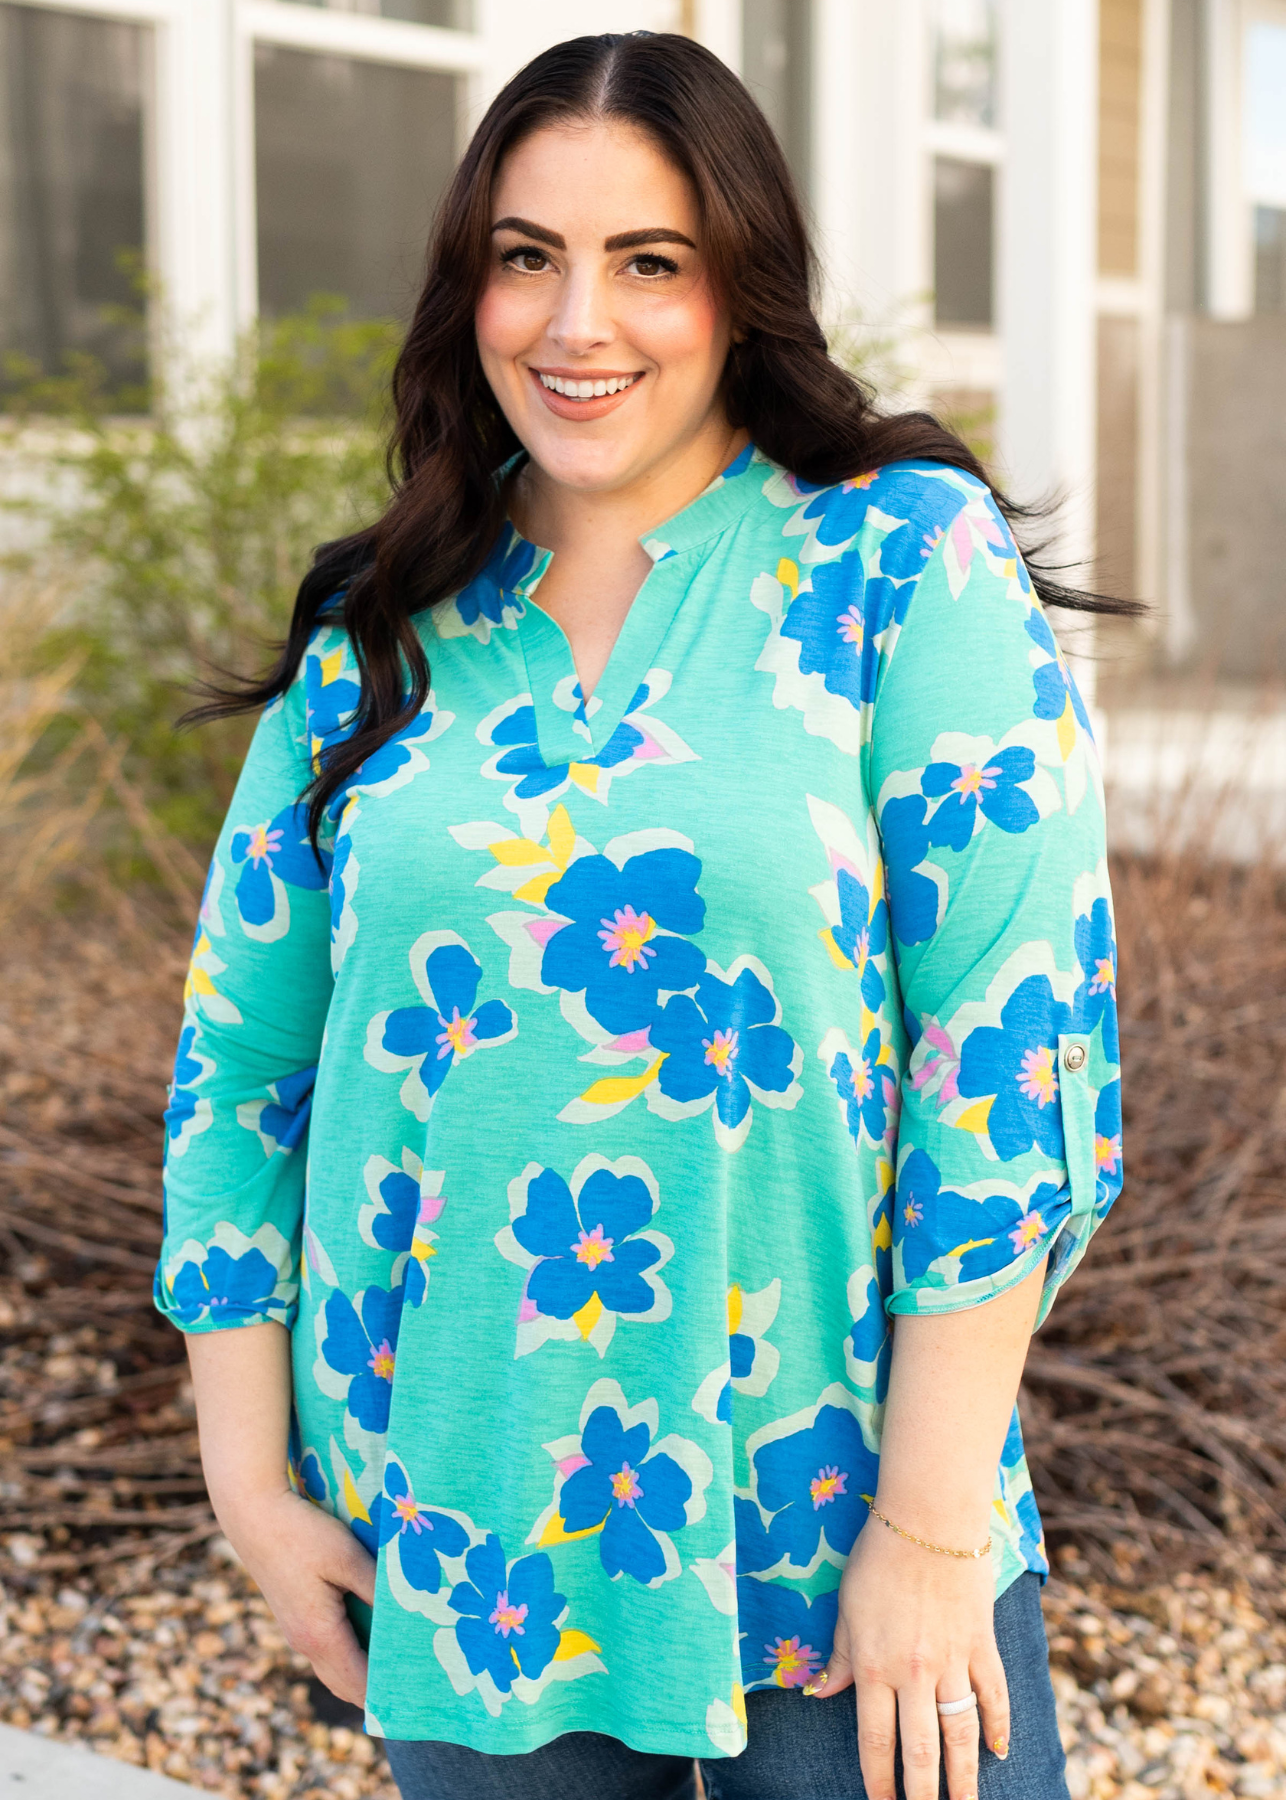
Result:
x=1074 y=1058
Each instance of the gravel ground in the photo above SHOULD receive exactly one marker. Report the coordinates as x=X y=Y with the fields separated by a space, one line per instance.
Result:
x=1171 y=1692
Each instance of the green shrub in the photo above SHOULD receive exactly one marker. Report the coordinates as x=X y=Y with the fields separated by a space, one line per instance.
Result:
x=187 y=530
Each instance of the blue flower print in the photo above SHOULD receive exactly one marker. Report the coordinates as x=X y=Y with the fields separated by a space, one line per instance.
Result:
x=915 y=888
x=992 y=789
x=1017 y=1063
x=752 y=1362
x=627 y=936
x=984 y=1235
x=585 y=1244
x=628 y=1490
x=429 y=1040
x=362 y=1345
x=330 y=697
x=225 y=1288
x=281 y=1121
x=1056 y=691
x=497 y=590
x=725 y=1044
x=817 y=1483
x=307 y=1477
x=785 y=1638
x=862 y=933
x=1095 y=999
x=868 y=1347
x=1107 y=1143
x=187 y=1112
x=520 y=760
x=404 y=1203
x=866 y=1083
x=423 y=1536
x=508 y=1616
x=275 y=856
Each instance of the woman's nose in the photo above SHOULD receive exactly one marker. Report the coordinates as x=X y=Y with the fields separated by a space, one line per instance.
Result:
x=582 y=318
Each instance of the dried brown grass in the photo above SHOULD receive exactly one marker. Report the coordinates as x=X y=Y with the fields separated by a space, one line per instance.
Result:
x=1155 y=1400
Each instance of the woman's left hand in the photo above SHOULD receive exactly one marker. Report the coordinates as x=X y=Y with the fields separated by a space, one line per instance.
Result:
x=915 y=1628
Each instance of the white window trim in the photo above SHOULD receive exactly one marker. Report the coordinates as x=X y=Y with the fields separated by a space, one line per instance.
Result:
x=361 y=35
x=967 y=143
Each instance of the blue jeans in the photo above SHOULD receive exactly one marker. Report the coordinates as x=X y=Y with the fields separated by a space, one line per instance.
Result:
x=799 y=1748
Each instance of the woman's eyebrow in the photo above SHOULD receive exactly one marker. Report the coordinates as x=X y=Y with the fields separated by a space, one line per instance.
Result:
x=541 y=233
x=624 y=240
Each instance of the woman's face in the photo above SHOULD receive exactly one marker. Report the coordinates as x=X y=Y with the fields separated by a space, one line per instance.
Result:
x=598 y=328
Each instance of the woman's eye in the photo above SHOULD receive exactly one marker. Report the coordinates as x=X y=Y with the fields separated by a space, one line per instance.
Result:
x=531 y=262
x=654 y=265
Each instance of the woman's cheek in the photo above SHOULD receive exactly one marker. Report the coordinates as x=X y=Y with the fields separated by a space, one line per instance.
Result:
x=503 y=321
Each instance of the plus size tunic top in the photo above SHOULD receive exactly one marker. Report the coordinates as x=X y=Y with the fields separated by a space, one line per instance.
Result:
x=619 y=1069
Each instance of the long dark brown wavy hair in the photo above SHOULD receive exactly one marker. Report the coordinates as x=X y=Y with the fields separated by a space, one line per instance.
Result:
x=449 y=436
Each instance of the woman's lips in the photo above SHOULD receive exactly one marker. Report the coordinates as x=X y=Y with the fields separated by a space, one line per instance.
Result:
x=596 y=408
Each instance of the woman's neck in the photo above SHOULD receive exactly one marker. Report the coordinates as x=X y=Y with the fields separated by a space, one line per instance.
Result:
x=570 y=520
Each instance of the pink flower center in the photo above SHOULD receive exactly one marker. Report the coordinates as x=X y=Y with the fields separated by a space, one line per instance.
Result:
x=626 y=935
x=913 y=1212
x=625 y=1486
x=593 y=1248
x=1107 y=1152
x=408 y=1510
x=381 y=1360
x=457 y=1036
x=1029 y=1230
x=507 y=1618
x=1104 y=981
x=1038 y=1080
x=825 y=1485
x=792 y=1661
x=263 y=843
x=721 y=1051
x=972 y=779
x=863 y=1079
x=850 y=627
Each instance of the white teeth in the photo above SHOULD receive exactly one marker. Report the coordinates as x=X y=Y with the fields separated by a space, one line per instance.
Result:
x=586 y=390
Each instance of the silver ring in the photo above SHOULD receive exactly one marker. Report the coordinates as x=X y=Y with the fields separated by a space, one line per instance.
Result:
x=947 y=1708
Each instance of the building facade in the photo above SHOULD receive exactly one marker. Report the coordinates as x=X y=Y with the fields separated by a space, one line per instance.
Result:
x=1068 y=217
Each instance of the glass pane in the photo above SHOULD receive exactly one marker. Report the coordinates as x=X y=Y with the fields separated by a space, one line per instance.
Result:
x=71 y=188
x=350 y=158
x=456 y=15
x=963 y=207
x=1264 y=119
x=776 y=67
x=1270 y=259
x=962 y=37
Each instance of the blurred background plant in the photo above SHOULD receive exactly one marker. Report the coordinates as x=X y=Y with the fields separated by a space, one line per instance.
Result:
x=167 y=548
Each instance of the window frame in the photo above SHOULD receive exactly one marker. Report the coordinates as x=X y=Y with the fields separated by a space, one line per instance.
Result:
x=975 y=347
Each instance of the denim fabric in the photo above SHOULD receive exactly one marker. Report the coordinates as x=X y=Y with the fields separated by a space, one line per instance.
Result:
x=799 y=1749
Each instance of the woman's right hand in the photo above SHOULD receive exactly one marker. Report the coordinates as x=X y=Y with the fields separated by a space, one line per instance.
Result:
x=303 y=1561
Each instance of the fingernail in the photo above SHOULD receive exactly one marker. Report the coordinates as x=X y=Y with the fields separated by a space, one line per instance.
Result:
x=816 y=1685
x=1001 y=1747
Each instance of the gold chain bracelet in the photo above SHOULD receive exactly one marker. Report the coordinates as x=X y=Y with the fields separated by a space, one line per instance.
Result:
x=938 y=1549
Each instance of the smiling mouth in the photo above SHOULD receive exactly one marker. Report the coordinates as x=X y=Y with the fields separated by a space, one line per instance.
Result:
x=590 y=388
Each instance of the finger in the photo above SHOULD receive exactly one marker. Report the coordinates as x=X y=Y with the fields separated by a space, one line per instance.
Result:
x=918 y=1731
x=987 y=1673
x=352 y=1568
x=328 y=1640
x=877 y=1738
x=344 y=1671
x=959 y=1739
x=835 y=1677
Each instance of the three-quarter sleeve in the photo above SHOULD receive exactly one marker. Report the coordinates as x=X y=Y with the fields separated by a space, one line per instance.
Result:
x=256 y=998
x=990 y=810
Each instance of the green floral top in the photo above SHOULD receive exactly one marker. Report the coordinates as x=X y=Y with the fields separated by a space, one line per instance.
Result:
x=620 y=1067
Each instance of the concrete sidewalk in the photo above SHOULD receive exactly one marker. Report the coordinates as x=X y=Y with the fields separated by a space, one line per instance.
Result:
x=40 y=1768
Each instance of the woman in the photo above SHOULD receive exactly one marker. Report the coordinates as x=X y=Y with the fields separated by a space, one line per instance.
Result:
x=698 y=1009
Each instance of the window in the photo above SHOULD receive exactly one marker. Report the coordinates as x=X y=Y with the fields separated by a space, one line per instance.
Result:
x=963 y=209
x=71 y=188
x=1265 y=159
x=963 y=40
x=456 y=15
x=776 y=66
x=1270 y=259
x=350 y=158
